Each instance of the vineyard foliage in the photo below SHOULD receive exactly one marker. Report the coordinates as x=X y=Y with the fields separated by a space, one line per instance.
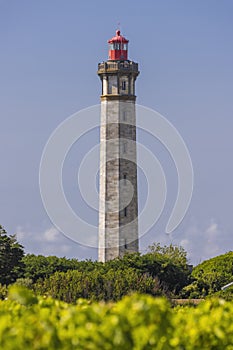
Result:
x=136 y=322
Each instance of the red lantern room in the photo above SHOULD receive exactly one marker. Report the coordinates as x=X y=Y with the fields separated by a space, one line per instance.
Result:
x=118 y=47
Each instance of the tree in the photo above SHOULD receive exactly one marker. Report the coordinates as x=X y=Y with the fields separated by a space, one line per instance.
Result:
x=174 y=269
x=211 y=275
x=39 y=266
x=11 y=254
x=177 y=254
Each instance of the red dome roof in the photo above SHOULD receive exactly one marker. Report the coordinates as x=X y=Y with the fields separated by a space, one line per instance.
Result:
x=118 y=38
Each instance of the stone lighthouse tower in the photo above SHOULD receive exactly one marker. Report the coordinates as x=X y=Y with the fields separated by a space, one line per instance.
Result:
x=118 y=206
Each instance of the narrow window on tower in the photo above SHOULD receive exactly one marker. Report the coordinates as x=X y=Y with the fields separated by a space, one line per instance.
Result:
x=123 y=213
x=125 y=244
x=125 y=177
x=123 y=85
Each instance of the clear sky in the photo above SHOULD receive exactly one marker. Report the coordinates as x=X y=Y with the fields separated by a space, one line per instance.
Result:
x=48 y=61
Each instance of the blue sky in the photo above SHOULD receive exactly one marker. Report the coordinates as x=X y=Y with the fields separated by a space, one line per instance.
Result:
x=48 y=62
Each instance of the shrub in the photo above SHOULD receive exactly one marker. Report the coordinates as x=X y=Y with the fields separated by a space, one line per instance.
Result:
x=137 y=322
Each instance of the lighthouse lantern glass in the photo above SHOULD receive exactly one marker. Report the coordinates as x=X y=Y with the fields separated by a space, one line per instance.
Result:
x=118 y=48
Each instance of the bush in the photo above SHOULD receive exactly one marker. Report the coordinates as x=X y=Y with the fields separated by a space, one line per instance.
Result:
x=137 y=322
x=96 y=285
x=26 y=282
x=168 y=265
x=209 y=276
x=3 y=291
x=226 y=294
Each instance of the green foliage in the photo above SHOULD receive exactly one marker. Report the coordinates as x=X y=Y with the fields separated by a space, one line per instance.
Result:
x=174 y=271
x=208 y=326
x=173 y=274
x=22 y=295
x=226 y=294
x=25 y=282
x=193 y=290
x=39 y=266
x=174 y=253
x=112 y=284
x=11 y=254
x=136 y=322
x=3 y=291
x=209 y=276
x=158 y=272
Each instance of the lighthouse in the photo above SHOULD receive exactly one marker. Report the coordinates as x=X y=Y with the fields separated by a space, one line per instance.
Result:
x=118 y=197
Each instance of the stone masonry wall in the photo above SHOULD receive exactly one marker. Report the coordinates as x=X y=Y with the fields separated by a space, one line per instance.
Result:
x=118 y=224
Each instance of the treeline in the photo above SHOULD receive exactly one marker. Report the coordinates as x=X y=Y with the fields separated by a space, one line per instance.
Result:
x=162 y=271
x=153 y=273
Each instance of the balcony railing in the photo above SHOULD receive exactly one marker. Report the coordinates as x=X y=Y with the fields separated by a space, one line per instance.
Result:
x=111 y=66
